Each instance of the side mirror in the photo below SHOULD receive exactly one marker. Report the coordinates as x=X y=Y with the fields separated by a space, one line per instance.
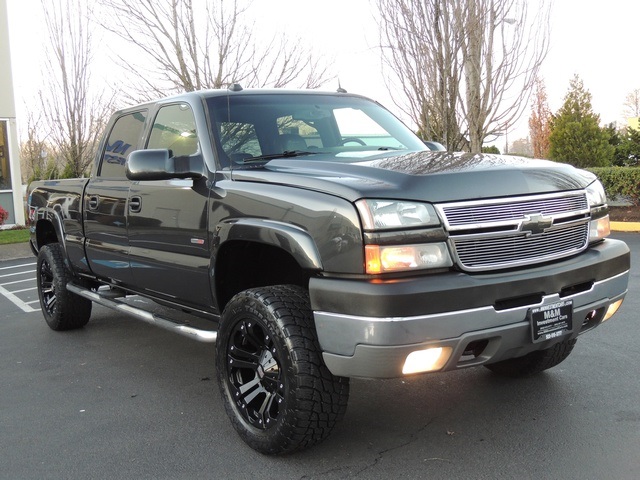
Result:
x=158 y=164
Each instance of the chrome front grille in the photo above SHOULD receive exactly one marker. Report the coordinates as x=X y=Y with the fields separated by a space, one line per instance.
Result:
x=470 y=214
x=507 y=233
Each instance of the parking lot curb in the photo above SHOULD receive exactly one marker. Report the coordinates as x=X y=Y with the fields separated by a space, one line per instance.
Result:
x=13 y=251
x=625 y=226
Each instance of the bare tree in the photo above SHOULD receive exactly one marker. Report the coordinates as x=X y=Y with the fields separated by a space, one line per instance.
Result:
x=632 y=104
x=187 y=45
x=480 y=55
x=419 y=44
x=73 y=114
x=34 y=151
x=540 y=121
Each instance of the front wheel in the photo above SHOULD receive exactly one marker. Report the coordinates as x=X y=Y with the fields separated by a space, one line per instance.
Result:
x=534 y=362
x=277 y=391
x=62 y=309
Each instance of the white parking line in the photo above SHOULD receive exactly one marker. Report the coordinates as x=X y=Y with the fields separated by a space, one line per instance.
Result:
x=16 y=301
x=17 y=281
x=25 y=289
x=10 y=271
x=16 y=273
x=18 y=266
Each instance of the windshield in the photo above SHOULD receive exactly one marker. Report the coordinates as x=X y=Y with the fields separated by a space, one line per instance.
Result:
x=256 y=127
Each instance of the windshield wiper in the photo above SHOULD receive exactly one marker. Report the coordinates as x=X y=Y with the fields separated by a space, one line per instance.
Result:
x=273 y=156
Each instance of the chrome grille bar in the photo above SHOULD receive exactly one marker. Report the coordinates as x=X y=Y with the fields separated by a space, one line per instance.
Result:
x=490 y=235
x=465 y=214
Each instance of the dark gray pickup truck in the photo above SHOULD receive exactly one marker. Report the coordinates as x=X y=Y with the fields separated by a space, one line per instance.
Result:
x=324 y=241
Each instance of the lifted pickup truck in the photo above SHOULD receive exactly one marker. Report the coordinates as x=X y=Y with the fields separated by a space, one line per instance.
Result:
x=325 y=241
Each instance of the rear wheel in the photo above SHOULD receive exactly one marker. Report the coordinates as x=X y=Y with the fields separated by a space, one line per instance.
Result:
x=277 y=391
x=534 y=362
x=62 y=309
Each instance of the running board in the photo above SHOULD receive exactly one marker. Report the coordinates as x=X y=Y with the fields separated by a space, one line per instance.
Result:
x=207 y=336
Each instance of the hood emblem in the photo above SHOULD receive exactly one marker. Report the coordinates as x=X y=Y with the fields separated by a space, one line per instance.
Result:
x=535 y=224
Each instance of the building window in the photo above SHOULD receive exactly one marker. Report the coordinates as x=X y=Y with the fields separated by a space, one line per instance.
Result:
x=5 y=171
x=6 y=196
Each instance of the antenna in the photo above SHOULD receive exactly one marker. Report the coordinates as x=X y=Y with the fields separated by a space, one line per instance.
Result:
x=233 y=87
x=340 y=89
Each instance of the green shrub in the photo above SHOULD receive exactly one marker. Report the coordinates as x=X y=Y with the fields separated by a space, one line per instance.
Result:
x=620 y=182
x=491 y=149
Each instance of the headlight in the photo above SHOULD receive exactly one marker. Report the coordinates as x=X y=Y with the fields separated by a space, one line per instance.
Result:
x=380 y=215
x=390 y=214
x=599 y=227
x=595 y=194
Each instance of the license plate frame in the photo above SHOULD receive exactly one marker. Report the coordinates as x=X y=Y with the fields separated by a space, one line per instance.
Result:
x=551 y=321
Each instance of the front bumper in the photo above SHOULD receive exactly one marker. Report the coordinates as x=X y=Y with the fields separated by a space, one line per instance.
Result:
x=367 y=328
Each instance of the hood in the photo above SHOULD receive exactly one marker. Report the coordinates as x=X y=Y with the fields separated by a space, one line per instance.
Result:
x=426 y=176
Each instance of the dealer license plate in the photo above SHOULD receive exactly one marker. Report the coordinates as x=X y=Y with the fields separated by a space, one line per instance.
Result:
x=551 y=321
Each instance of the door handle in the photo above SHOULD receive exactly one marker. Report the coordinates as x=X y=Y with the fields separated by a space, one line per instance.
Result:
x=135 y=204
x=94 y=201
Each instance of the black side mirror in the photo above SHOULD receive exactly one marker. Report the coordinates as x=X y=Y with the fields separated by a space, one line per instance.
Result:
x=159 y=164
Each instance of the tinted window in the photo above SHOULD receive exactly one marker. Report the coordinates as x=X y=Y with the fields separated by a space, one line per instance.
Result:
x=297 y=135
x=175 y=129
x=238 y=139
x=122 y=140
x=331 y=126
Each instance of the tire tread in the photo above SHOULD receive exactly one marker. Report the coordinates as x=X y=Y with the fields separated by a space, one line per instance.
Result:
x=534 y=362
x=71 y=311
x=320 y=397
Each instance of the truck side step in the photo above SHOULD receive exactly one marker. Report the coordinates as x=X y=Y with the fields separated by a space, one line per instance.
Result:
x=207 y=336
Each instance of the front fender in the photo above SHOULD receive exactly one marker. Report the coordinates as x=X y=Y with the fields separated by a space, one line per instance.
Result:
x=290 y=238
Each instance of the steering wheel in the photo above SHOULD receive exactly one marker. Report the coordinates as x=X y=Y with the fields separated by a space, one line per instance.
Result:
x=352 y=139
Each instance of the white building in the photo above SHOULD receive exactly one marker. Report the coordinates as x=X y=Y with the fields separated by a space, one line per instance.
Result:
x=10 y=178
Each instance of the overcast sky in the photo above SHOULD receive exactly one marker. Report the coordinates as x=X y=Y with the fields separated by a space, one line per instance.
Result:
x=599 y=44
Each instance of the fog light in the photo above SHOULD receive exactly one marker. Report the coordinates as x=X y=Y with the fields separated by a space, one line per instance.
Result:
x=428 y=360
x=613 y=308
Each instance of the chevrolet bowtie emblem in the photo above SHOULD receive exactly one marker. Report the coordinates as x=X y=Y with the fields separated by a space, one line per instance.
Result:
x=535 y=224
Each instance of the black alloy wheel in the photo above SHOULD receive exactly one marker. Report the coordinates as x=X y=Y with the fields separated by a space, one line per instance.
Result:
x=255 y=375
x=47 y=289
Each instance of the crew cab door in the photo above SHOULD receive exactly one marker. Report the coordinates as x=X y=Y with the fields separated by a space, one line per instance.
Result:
x=105 y=221
x=168 y=219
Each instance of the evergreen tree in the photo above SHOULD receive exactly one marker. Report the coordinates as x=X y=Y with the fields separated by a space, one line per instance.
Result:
x=633 y=137
x=627 y=150
x=576 y=136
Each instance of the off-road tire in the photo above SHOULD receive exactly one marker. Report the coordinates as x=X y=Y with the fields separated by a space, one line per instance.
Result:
x=534 y=362
x=62 y=309
x=275 y=387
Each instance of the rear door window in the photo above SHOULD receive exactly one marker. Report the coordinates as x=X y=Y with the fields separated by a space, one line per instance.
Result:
x=123 y=139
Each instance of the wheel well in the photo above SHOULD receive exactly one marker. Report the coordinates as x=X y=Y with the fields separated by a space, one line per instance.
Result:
x=242 y=264
x=45 y=233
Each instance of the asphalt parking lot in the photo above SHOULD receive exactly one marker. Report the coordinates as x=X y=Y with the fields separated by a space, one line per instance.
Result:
x=121 y=399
